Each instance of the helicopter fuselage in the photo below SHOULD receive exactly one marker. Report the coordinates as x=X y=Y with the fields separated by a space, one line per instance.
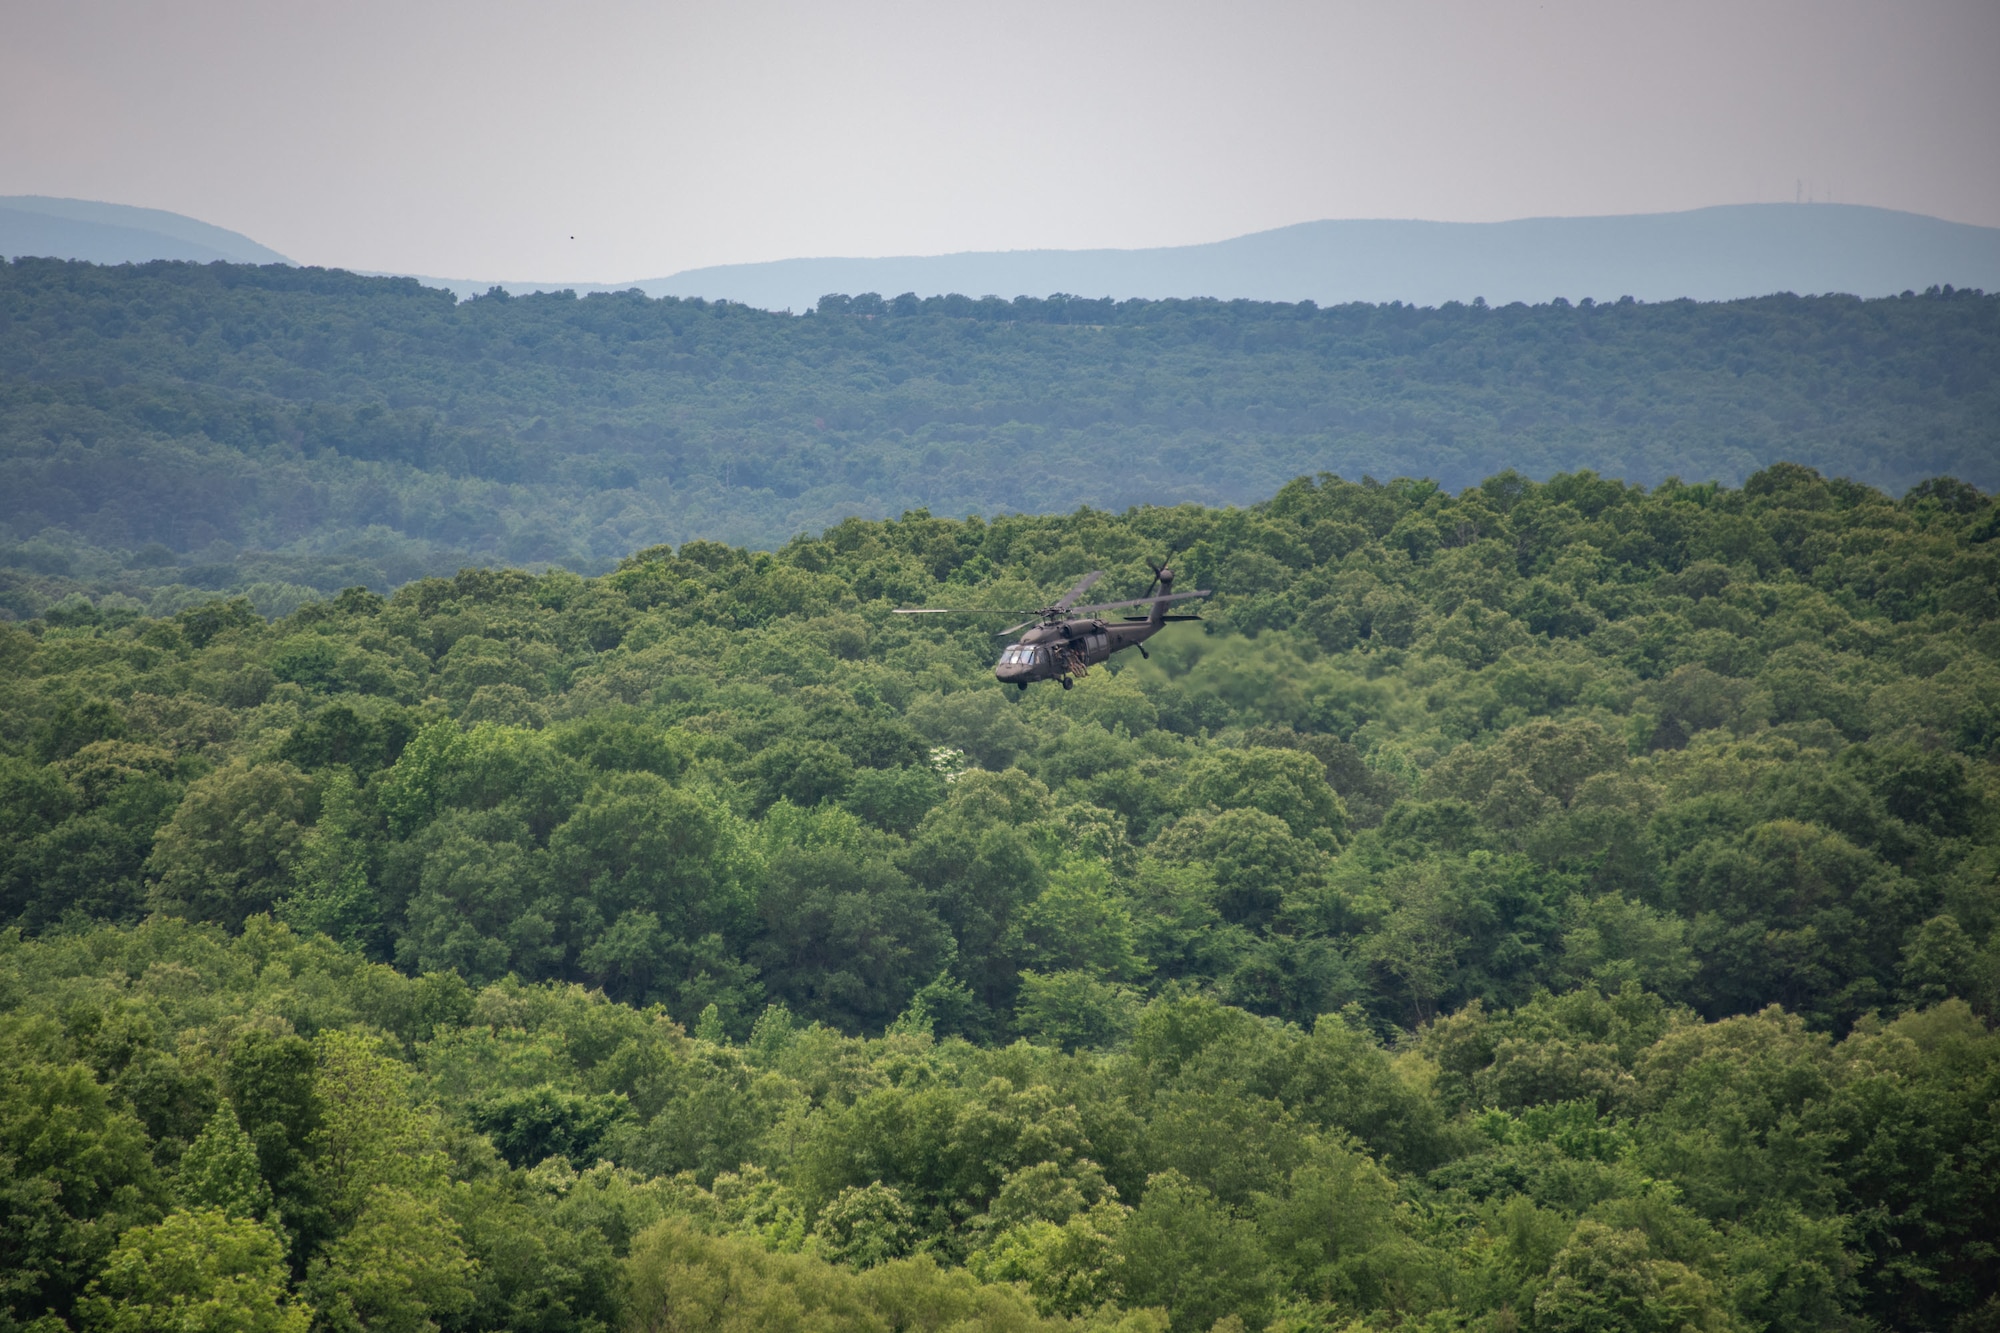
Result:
x=1063 y=641
x=1069 y=648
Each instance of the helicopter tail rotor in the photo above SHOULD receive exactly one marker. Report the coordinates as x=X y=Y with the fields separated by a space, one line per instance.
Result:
x=1163 y=577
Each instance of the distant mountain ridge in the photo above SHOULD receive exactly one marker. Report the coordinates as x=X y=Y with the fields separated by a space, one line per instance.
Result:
x=1722 y=253
x=1710 y=254
x=33 y=224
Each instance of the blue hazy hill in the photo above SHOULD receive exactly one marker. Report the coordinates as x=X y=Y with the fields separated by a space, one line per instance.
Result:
x=1710 y=254
x=33 y=224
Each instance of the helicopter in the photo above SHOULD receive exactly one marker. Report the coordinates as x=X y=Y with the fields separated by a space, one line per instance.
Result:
x=1065 y=640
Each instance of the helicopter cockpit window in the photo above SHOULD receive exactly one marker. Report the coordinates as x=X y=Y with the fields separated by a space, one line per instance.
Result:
x=1018 y=656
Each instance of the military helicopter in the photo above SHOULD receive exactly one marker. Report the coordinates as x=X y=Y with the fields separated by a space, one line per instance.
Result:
x=1066 y=640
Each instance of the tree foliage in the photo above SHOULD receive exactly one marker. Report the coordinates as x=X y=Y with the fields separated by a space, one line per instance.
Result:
x=168 y=430
x=201 y=1271
x=1547 y=906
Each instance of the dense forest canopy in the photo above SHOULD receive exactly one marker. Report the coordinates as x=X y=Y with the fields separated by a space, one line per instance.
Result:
x=1554 y=906
x=172 y=430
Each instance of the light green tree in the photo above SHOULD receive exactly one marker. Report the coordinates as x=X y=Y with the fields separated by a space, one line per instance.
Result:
x=373 y=1130
x=74 y=1173
x=708 y=1026
x=1334 y=1228
x=1081 y=922
x=1069 y=1268
x=331 y=893
x=417 y=785
x=1606 y=1281
x=1285 y=783
x=219 y=1170
x=401 y=1268
x=865 y=1227
x=1182 y=1249
x=1074 y=1009
x=196 y=1271
x=231 y=847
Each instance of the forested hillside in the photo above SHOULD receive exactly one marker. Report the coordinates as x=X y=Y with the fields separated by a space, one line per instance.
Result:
x=1554 y=907
x=168 y=431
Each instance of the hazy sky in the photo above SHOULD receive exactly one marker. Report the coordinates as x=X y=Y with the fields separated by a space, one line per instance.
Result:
x=476 y=139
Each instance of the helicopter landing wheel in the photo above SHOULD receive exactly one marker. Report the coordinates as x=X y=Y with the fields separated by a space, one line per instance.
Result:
x=1067 y=682
x=1020 y=684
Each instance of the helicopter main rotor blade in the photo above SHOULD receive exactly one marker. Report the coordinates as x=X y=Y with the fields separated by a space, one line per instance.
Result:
x=959 y=611
x=1003 y=633
x=1082 y=587
x=1141 y=601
